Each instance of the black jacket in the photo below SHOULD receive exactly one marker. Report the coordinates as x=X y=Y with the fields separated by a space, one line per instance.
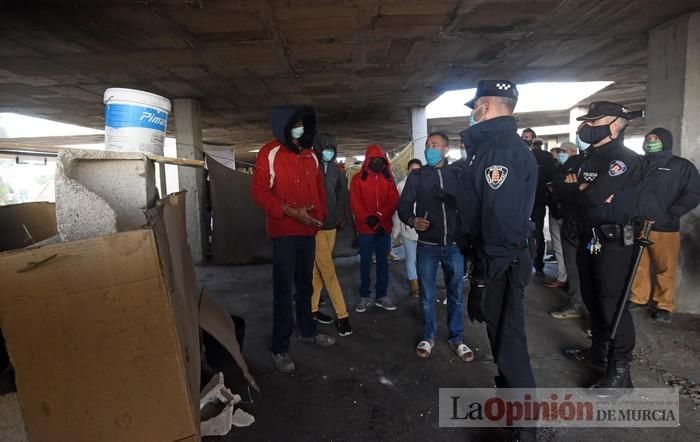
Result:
x=546 y=171
x=610 y=169
x=497 y=192
x=336 y=183
x=670 y=189
x=565 y=195
x=433 y=191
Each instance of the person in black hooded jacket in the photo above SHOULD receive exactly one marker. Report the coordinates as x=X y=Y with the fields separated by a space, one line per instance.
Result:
x=336 y=185
x=670 y=189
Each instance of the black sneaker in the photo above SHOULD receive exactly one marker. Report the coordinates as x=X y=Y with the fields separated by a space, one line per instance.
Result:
x=344 y=328
x=661 y=316
x=633 y=306
x=323 y=318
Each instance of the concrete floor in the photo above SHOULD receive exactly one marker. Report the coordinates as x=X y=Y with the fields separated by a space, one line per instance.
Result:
x=372 y=387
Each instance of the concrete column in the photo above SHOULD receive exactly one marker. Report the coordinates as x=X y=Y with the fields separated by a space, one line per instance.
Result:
x=419 y=132
x=188 y=132
x=673 y=102
x=574 y=113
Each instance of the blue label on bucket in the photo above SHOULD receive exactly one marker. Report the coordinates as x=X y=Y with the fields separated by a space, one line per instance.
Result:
x=118 y=116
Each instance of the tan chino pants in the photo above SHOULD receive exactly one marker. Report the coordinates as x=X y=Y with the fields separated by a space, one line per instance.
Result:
x=324 y=274
x=663 y=255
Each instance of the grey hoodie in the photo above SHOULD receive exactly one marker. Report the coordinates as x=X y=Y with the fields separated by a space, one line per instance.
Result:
x=335 y=181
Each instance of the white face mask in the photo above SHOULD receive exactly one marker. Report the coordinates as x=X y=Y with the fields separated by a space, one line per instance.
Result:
x=297 y=132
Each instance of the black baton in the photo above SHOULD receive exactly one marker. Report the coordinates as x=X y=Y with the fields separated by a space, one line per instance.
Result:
x=641 y=243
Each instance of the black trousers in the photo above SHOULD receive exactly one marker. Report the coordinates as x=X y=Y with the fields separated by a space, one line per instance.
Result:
x=292 y=268
x=538 y=213
x=603 y=277
x=505 y=324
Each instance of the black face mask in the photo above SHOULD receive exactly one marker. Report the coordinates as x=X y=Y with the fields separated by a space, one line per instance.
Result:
x=594 y=134
x=376 y=165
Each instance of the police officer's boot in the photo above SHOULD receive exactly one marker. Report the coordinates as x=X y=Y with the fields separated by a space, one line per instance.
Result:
x=616 y=379
x=596 y=355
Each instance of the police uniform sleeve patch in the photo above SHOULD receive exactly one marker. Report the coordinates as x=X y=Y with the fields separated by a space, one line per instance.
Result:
x=617 y=168
x=496 y=175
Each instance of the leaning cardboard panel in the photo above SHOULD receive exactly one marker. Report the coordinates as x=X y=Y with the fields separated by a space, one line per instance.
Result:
x=192 y=311
x=168 y=220
x=239 y=226
x=22 y=225
x=92 y=334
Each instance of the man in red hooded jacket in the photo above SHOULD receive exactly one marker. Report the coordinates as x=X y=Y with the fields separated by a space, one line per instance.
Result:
x=288 y=186
x=373 y=199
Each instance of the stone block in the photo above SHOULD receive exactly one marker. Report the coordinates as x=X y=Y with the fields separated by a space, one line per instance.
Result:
x=102 y=192
x=12 y=427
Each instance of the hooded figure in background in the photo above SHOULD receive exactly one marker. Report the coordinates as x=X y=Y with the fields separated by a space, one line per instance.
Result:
x=373 y=199
x=670 y=189
x=336 y=187
x=289 y=186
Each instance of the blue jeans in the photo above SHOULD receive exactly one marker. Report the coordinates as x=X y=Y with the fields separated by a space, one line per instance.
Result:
x=380 y=246
x=429 y=258
x=410 y=246
x=292 y=267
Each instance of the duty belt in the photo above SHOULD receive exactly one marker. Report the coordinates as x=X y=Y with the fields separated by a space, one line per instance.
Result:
x=616 y=233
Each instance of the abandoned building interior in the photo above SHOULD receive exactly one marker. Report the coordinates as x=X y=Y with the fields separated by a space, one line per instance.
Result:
x=136 y=293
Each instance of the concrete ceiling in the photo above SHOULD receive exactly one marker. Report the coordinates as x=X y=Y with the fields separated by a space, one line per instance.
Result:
x=361 y=63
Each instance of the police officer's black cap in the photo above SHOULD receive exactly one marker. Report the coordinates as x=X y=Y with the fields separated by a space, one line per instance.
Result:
x=600 y=109
x=494 y=88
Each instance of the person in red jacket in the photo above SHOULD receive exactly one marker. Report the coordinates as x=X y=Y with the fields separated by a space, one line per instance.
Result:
x=288 y=186
x=373 y=199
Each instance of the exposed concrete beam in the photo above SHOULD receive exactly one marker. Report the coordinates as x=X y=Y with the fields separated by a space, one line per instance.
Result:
x=57 y=140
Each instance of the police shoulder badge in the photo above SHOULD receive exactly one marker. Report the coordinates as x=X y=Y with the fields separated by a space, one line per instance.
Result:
x=496 y=175
x=616 y=168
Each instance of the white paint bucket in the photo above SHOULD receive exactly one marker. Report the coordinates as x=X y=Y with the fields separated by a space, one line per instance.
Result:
x=135 y=121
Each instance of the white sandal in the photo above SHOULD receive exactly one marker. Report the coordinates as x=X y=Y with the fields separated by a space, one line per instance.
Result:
x=463 y=352
x=423 y=349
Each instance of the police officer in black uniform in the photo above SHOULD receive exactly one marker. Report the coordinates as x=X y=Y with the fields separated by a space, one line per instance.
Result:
x=499 y=182
x=608 y=184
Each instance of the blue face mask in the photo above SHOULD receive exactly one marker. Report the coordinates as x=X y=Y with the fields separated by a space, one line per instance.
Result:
x=297 y=132
x=433 y=156
x=580 y=144
x=327 y=155
x=562 y=157
x=472 y=120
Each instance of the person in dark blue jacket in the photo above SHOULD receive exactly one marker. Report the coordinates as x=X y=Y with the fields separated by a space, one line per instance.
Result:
x=498 y=193
x=670 y=189
x=428 y=204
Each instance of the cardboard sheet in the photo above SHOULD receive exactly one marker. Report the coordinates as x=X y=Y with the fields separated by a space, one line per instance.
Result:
x=22 y=225
x=216 y=321
x=169 y=225
x=92 y=334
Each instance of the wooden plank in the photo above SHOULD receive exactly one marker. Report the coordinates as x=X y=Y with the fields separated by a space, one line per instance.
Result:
x=175 y=161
